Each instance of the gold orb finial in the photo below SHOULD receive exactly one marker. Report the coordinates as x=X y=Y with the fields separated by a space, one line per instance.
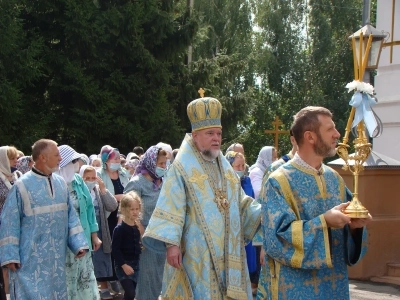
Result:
x=201 y=92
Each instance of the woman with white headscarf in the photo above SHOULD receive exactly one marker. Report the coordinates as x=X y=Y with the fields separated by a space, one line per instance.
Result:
x=81 y=281
x=265 y=158
x=8 y=162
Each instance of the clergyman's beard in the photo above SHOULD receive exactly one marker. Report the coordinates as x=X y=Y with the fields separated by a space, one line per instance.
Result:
x=209 y=154
x=323 y=149
x=52 y=170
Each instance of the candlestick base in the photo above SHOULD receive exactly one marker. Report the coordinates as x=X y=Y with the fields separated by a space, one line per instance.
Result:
x=356 y=210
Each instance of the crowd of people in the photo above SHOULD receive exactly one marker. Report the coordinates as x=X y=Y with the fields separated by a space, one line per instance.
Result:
x=189 y=223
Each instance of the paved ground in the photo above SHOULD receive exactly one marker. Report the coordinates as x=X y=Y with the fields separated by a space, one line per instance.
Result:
x=361 y=290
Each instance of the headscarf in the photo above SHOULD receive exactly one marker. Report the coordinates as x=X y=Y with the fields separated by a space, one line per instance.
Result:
x=5 y=162
x=148 y=164
x=230 y=156
x=67 y=169
x=85 y=159
x=68 y=154
x=92 y=157
x=132 y=155
x=81 y=171
x=133 y=163
x=107 y=152
x=264 y=158
x=23 y=164
x=83 y=168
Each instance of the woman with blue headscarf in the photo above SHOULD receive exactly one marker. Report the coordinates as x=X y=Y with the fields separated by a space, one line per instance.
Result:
x=147 y=182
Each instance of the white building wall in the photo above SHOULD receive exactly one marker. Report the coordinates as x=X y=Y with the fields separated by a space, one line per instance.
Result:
x=387 y=82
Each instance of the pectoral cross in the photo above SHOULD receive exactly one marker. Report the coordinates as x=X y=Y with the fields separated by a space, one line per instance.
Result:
x=220 y=199
x=276 y=131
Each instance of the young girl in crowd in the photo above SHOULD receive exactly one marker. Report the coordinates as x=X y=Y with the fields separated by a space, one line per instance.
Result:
x=147 y=183
x=126 y=243
x=104 y=203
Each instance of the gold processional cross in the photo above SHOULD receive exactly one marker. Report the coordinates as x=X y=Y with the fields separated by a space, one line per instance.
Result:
x=201 y=92
x=276 y=131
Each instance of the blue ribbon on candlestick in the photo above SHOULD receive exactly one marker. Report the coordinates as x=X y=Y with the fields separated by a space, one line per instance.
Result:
x=362 y=102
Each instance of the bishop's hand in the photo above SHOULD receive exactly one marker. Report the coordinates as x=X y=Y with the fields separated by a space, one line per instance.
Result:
x=174 y=256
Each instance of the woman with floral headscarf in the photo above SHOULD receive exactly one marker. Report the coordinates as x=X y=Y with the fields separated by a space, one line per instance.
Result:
x=147 y=183
x=24 y=164
x=115 y=179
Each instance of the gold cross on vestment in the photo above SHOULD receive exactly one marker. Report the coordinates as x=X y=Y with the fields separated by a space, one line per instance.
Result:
x=198 y=179
x=284 y=287
x=314 y=281
x=316 y=261
x=276 y=131
x=201 y=92
x=332 y=278
x=231 y=178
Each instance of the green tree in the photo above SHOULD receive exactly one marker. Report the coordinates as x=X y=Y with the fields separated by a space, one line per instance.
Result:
x=106 y=70
x=305 y=59
x=20 y=71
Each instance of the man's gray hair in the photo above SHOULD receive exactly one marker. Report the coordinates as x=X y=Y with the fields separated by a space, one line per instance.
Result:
x=41 y=146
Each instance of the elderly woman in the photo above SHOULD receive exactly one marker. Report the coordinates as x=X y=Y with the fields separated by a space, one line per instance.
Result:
x=147 y=184
x=115 y=179
x=81 y=281
x=8 y=163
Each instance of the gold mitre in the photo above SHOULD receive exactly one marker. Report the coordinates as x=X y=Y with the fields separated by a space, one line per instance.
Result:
x=204 y=113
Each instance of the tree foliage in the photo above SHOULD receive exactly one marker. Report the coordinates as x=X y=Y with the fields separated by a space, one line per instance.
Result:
x=106 y=70
x=89 y=73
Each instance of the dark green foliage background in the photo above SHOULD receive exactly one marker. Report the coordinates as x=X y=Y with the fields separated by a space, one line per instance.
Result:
x=90 y=73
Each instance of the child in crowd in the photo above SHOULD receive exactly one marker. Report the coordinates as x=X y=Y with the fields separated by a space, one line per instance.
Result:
x=104 y=203
x=127 y=245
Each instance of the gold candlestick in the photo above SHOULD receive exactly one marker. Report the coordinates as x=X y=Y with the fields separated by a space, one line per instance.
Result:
x=362 y=146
